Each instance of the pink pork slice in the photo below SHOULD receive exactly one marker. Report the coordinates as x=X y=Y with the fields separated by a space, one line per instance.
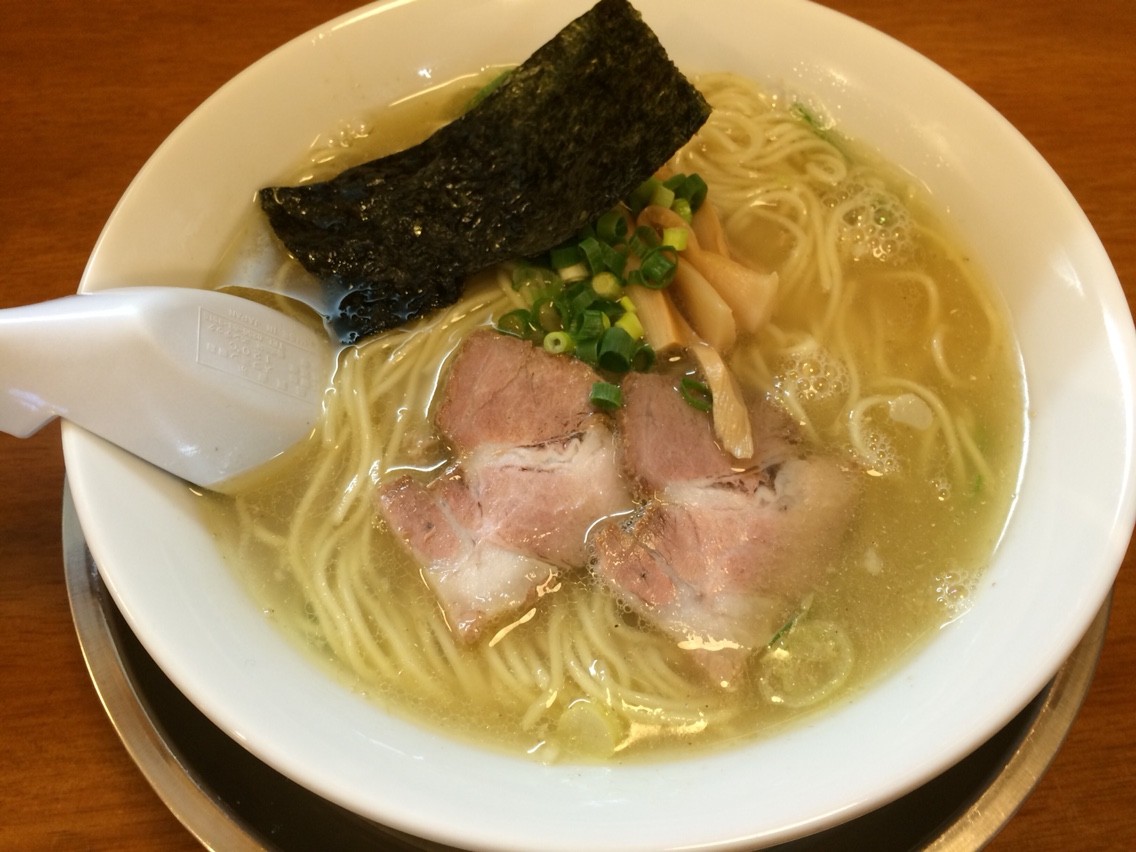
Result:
x=536 y=468
x=723 y=550
x=505 y=391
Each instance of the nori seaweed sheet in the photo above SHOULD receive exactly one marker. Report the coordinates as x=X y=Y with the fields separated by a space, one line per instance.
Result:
x=568 y=134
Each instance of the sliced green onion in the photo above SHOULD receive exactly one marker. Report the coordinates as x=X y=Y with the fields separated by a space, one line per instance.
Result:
x=606 y=395
x=676 y=238
x=785 y=628
x=663 y=196
x=590 y=249
x=527 y=279
x=588 y=350
x=616 y=350
x=643 y=240
x=489 y=88
x=691 y=189
x=515 y=323
x=600 y=257
x=580 y=300
x=644 y=358
x=576 y=290
x=642 y=195
x=694 y=190
x=611 y=227
x=607 y=285
x=546 y=316
x=613 y=259
x=562 y=257
x=630 y=323
x=658 y=267
x=575 y=272
x=682 y=207
x=697 y=394
x=591 y=324
x=558 y=342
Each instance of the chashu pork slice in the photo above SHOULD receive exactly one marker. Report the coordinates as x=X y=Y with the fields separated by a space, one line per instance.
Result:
x=505 y=391
x=535 y=470
x=723 y=551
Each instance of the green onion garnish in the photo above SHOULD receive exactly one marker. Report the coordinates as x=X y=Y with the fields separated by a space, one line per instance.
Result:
x=601 y=257
x=575 y=272
x=663 y=196
x=676 y=238
x=611 y=227
x=558 y=342
x=517 y=323
x=658 y=266
x=575 y=292
x=693 y=189
x=607 y=285
x=644 y=358
x=562 y=257
x=631 y=323
x=588 y=350
x=682 y=207
x=643 y=240
x=697 y=394
x=642 y=195
x=606 y=395
x=526 y=277
x=580 y=298
x=593 y=255
x=545 y=315
x=616 y=350
x=488 y=89
x=591 y=324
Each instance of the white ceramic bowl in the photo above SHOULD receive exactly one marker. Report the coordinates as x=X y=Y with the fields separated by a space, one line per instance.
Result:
x=1053 y=570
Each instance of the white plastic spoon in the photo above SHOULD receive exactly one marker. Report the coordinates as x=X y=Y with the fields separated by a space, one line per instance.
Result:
x=203 y=384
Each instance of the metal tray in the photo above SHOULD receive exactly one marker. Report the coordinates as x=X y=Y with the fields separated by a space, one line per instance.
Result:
x=231 y=801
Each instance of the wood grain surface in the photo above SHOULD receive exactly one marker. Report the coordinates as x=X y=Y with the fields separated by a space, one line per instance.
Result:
x=89 y=90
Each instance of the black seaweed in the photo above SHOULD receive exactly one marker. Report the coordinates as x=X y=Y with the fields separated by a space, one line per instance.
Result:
x=570 y=132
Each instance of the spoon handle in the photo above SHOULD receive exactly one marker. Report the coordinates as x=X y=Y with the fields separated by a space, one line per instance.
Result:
x=52 y=357
x=201 y=383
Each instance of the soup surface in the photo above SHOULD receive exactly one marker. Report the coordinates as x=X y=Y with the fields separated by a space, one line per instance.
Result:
x=885 y=346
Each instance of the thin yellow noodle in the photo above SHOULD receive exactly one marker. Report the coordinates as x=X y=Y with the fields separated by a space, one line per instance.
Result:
x=365 y=648
x=510 y=677
x=938 y=353
x=788 y=398
x=980 y=294
x=463 y=675
x=418 y=653
x=948 y=423
x=421 y=652
x=533 y=660
x=929 y=287
x=656 y=674
x=382 y=656
x=589 y=686
x=973 y=452
x=594 y=625
x=537 y=708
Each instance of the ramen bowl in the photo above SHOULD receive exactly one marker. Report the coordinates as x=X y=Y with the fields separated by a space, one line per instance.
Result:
x=1071 y=519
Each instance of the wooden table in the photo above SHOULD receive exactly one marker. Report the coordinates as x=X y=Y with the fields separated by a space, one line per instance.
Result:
x=88 y=90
